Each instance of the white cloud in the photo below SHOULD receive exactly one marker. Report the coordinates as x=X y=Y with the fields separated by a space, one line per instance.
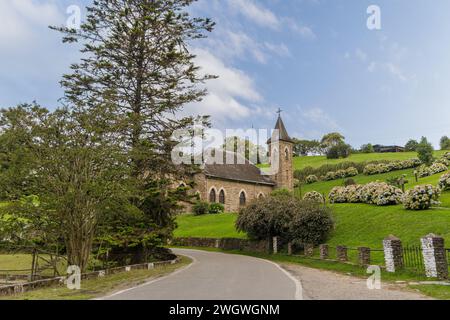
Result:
x=258 y=14
x=315 y=123
x=395 y=71
x=232 y=96
x=319 y=117
x=302 y=30
x=21 y=19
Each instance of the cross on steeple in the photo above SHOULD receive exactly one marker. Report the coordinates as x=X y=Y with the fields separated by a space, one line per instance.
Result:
x=279 y=112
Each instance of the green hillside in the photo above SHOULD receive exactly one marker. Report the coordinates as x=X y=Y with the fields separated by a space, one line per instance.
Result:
x=356 y=224
x=317 y=161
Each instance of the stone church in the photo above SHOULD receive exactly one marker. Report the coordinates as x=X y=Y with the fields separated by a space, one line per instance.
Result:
x=235 y=185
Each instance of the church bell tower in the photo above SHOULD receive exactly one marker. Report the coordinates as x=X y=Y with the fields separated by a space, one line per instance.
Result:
x=283 y=147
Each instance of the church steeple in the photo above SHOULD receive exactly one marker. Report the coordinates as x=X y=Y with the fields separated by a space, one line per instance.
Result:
x=284 y=149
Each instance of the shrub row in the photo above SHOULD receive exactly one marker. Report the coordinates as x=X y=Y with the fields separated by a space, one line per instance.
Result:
x=372 y=169
x=435 y=168
x=378 y=193
x=333 y=175
x=323 y=170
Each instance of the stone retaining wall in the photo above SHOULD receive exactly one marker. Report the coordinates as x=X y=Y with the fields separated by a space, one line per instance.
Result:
x=224 y=244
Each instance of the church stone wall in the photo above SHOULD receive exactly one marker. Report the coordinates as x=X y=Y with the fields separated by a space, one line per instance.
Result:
x=232 y=190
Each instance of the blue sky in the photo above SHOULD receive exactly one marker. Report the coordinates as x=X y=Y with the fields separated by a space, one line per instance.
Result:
x=316 y=59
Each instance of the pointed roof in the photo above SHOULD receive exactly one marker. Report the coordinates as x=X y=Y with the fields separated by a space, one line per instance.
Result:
x=284 y=136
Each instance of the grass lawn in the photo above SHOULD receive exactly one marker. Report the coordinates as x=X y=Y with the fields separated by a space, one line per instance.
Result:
x=15 y=262
x=94 y=288
x=356 y=225
x=208 y=226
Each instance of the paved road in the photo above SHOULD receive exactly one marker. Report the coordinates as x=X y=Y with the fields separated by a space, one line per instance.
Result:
x=217 y=276
x=325 y=285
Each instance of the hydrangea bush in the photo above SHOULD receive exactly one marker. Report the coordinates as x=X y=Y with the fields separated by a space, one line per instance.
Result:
x=314 y=196
x=435 y=168
x=338 y=195
x=351 y=172
x=311 y=179
x=381 y=194
x=378 y=193
x=421 y=197
x=444 y=182
x=447 y=156
x=444 y=161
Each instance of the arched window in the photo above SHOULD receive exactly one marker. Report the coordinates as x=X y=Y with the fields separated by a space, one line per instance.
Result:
x=222 y=197
x=242 y=198
x=286 y=153
x=212 y=196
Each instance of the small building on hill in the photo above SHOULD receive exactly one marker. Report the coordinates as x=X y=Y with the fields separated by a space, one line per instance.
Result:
x=384 y=149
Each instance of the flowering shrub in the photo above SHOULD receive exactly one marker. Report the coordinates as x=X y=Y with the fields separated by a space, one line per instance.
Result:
x=353 y=193
x=314 y=196
x=424 y=171
x=340 y=174
x=447 y=156
x=381 y=194
x=330 y=176
x=444 y=161
x=338 y=195
x=311 y=179
x=372 y=169
x=351 y=172
x=435 y=168
x=378 y=193
x=444 y=182
x=421 y=197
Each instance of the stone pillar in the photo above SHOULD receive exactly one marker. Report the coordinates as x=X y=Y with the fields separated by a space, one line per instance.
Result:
x=217 y=243
x=309 y=250
x=341 y=253
x=289 y=248
x=364 y=256
x=393 y=253
x=434 y=256
x=324 y=251
x=275 y=245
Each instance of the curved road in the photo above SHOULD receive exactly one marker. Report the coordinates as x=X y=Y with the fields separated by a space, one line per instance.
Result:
x=218 y=276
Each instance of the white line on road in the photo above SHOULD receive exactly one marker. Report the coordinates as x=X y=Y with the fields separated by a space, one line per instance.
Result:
x=194 y=261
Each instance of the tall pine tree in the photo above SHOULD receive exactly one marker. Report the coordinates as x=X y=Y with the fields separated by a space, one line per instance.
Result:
x=136 y=58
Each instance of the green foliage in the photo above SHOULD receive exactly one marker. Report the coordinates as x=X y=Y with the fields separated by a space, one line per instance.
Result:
x=425 y=151
x=349 y=182
x=367 y=148
x=282 y=193
x=314 y=196
x=339 y=151
x=200 y=208
x=216 y=208
x=445 y=143
x=332 y=139
x=287 y=217
x=311 y=179
x=411 y=145
x=306 y=147
x=311 y=224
